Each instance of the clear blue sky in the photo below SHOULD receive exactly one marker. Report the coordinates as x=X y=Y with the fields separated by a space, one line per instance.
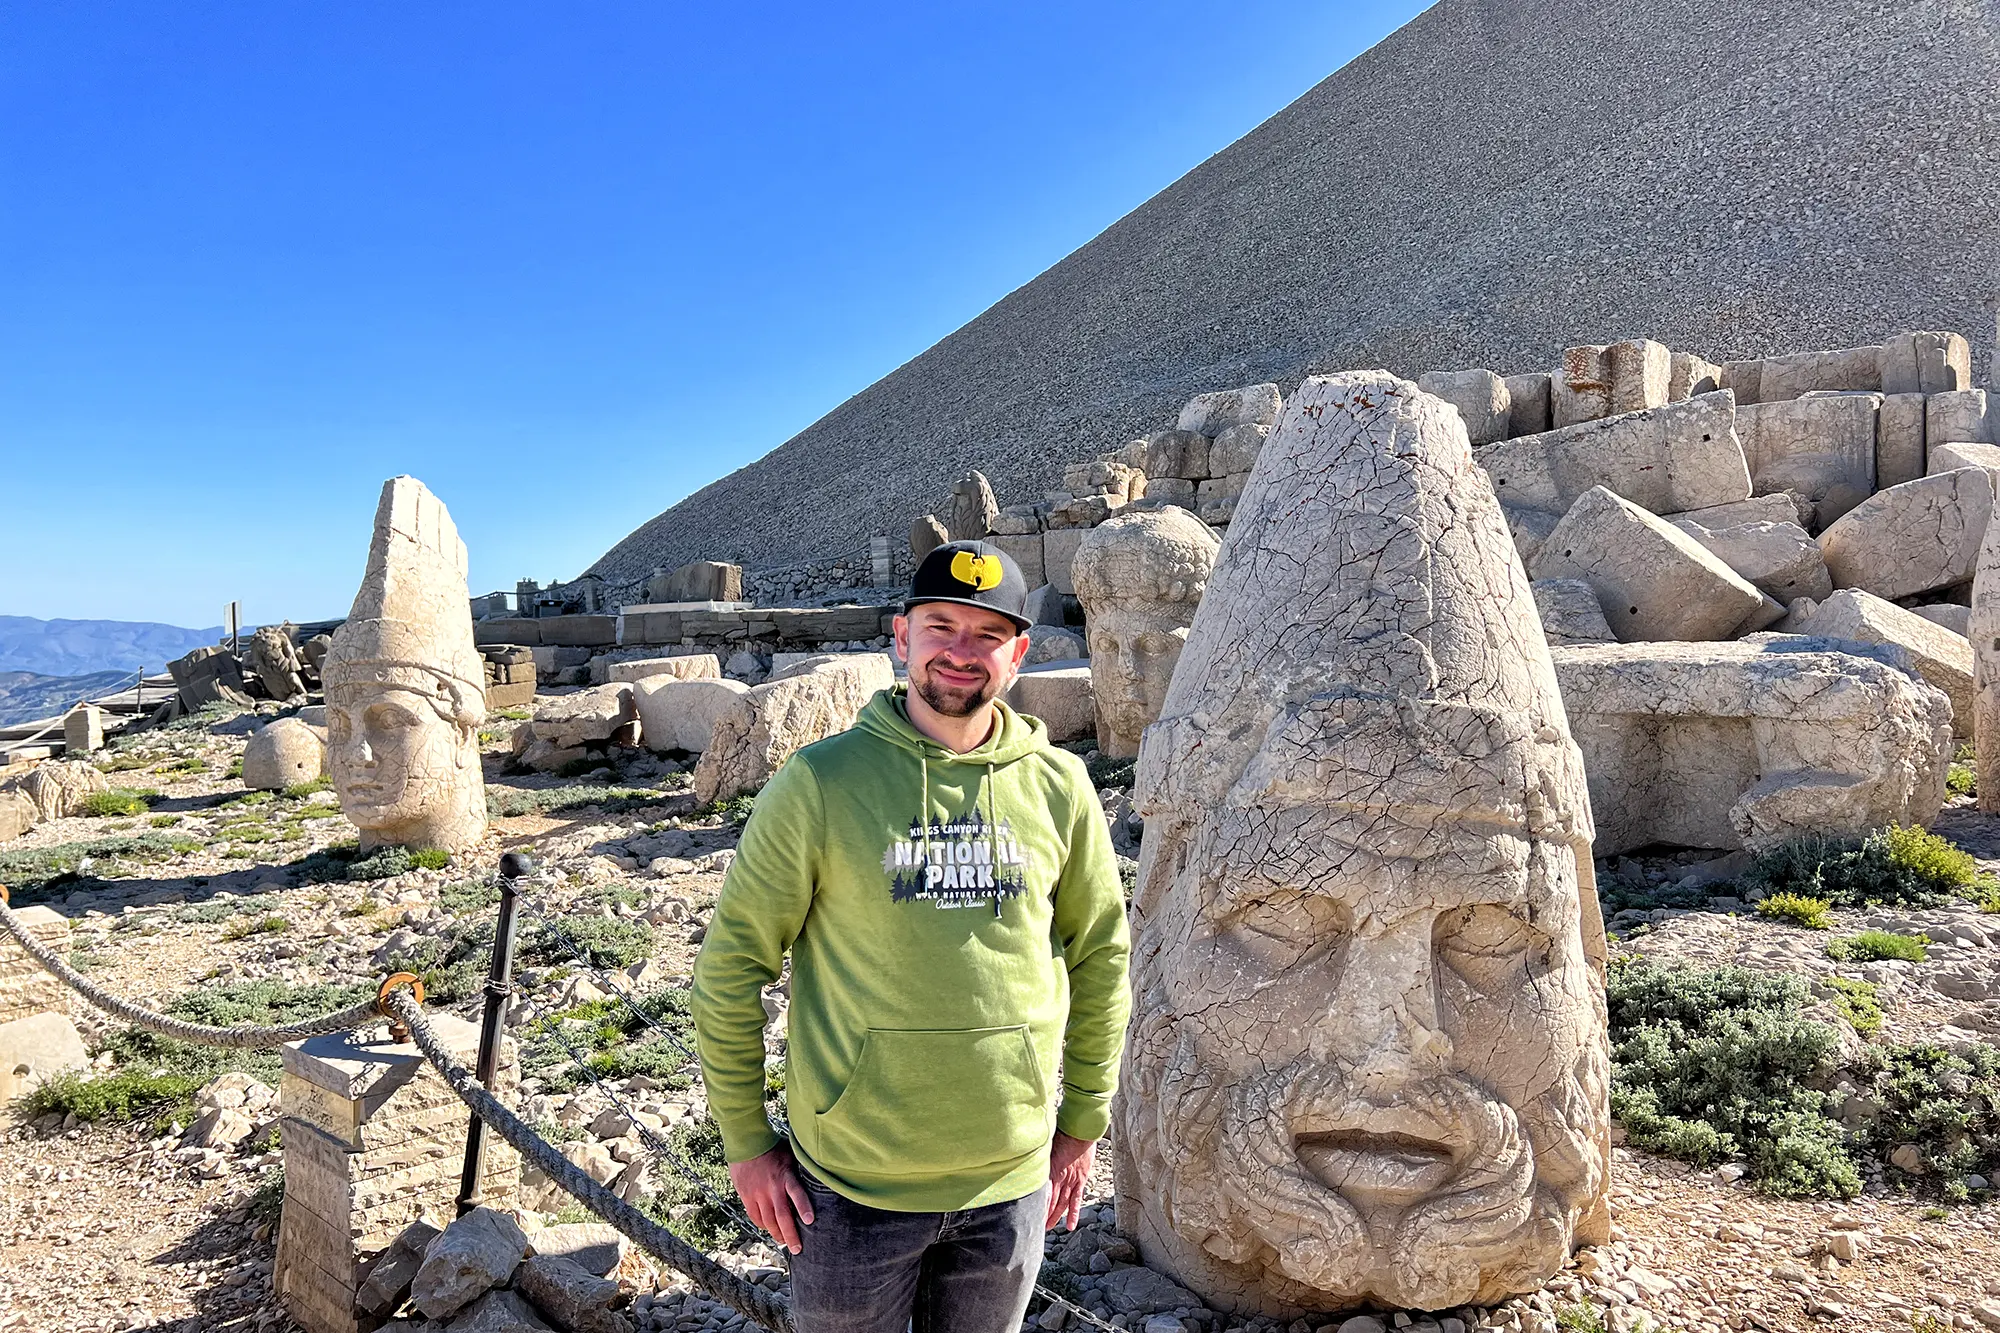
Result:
x=564 y=262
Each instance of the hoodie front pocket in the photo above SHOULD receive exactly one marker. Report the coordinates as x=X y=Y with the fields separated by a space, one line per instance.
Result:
x=936 y=1101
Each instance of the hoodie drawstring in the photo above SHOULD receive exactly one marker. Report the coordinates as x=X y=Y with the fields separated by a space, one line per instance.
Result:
x=982 y=801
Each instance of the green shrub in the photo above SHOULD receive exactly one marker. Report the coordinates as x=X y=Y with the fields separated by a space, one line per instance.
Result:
x=222 y=909
x=1579 y=1317
x=165 y=821
x=121 y=1097
x=505 y=802
x=467 y=896
x=1873 y=946
x=430 y=858
x=1897 y=866
x=1985 y=895
x=298 y=791
x=1961 y=780
x=1942 y=1102
x=614 y=1041
x=604 y=942
x=1855 y=1001
x=735 y=811
x=512 y=714
x=1799 y=910
x=117 y=802
x=39 y=873
x=232 y=1004
x=1710 y=1064
x=244 y=926
x=703 y=1222
x=192 y=764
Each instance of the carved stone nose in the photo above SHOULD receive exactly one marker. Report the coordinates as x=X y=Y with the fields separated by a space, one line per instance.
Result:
x=1381 y=1021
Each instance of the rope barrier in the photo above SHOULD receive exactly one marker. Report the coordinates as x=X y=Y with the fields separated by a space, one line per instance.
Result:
x=201 y=1034
x=740 y=1294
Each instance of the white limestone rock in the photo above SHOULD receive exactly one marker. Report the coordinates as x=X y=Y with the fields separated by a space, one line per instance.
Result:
x=1653 y=580
x=1060 y=695
x=1951 y=456
x=1570 y=612
x=282 y=753
x=35 y=1049
x=1914 y=538
x=689 y=666
x=594 y=714
x=1943 y=657
x=681 y=714
x=1780 y=559
x=1956 y=618
x=1667 y=459
x=1926 y=362
x=1594 y=382
x=754 y=736
x=1822 y=447
x=1480 y=396
x=1212 y=413
x=476 y=1253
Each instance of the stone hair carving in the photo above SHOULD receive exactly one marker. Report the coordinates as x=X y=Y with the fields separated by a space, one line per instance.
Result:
x=1139 y=577
x=1368 y=1059
x=405 y=686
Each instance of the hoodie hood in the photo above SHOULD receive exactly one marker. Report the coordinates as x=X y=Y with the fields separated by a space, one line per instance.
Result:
x=1017 y=736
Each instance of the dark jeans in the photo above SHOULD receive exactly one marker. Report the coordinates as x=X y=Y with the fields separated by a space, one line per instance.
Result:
x=868 y=1270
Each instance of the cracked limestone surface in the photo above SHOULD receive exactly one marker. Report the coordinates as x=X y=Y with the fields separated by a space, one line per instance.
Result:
x=1139 y=577
x=1368 y=1059
x=406 y=687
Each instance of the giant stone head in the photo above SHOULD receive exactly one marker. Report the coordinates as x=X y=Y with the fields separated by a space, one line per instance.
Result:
x=1368 y=1059
x=1139 y=577
x=405 y=686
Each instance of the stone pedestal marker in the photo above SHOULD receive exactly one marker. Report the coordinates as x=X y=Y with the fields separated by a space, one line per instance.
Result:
x=25 y=989
x=83 y=729
x=374 y=1139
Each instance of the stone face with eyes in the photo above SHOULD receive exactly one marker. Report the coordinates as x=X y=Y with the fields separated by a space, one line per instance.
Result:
x=1368 y=1059
x=1139 y=577
x=404 y=772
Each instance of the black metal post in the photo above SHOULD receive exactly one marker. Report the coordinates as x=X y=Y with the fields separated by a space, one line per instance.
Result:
x=499 y=985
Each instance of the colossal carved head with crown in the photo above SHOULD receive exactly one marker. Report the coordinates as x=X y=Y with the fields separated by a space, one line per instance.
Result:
x=405 y=685
x=1368 y=1058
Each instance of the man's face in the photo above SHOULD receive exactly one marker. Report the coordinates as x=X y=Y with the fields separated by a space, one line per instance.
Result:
x=1365 y=1057
x=387 y=749
x=960 y=657
x=1133 y=650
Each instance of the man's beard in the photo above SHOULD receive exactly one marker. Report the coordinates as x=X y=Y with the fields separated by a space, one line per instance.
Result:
x=954 y=702
x=1499 y=1220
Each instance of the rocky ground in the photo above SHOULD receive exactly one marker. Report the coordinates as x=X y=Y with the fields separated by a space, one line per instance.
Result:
x=155 y=1220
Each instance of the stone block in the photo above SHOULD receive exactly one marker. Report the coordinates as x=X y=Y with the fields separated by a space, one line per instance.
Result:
x=1926 y=363
x=1962 y=453
x=1181 y=454
x=1780 y=559
x=282 y=753
x=764 y=727
x=1025 y=551
x=469 y=1258
x=1779 y=508
x=1061 y=697
x=1942 y=657
x=686 y=666
x=592 y=715
x=1666 y=459
x=580 y=631
x=1044 y=606
x=571 y=1297
x=1570 y=612
x=1212 y=413
x=1058 y=553
x=1104 y=477
x=1085 y=511
x=25 y=989
x=1594 y=382
x=509 y=629
x=1847 y=369
x=1234 y=453
x=1899 y=440
x=1957 y=416
x=700 y=581
x=1744 y=379
x=595 y=1247
x=1530 y=529
x=1956 y=618
x=1053 y=643
x=1690 y=375
x=1480 y=396
x=1749 y=744
x=1528 y=404
x=1017 y=521
x=83 y=729
x=1821 y=447
x=1914 y=538
x=35 y=1049
x=1163 y=491
x=1653 y=580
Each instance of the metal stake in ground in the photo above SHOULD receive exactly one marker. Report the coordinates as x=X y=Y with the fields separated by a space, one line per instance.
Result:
x=499 y=985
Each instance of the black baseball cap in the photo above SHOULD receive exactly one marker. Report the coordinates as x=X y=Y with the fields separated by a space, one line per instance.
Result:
x=972 y=574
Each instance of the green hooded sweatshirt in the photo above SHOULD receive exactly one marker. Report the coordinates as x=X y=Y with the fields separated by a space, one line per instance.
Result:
x=958 y=940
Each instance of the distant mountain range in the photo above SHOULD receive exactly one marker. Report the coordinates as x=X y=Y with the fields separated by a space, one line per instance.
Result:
x=84 y=647
x=25 y=696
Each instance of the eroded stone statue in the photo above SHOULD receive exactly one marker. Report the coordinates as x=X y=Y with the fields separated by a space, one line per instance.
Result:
x=1368 y=1059
x=1139 y=577
x=405 y=687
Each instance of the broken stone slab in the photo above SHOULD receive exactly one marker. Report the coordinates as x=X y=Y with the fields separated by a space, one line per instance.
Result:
x=1780 y=559
x=1913 y=538
x=1666 y=459
x=473 y=1255
x=1942 y=657
x=1026 y=551
x=1926 y=362
x=1899 y=440
x=1017 y=521
x=1822 y=447
x=765 y=726
x=387 y=1285
x=1768 y=613
x=1956 y=618
x=1084 y=511
x=1958 y=416
x=689 y=666
x=36 y=1049
x=1653 y=580
x=1751 y=743
x=1530 y=529
x=283 y=753
x=1779 y=508
x=1235 y=451
x=1480 y=396
x=594 y=714
x=680 y=714
x=697 y=581
x=1690 y=375
x=1570 y=612
x=1044 y=606
x=569 y=1295
x=1528 y=404
x=1842 y=370
x=500 y=1312
x=1061 y=696
x=596 y=1247
x=1212 y=413
x=1962 y=453
x=59 y=790
x=1177 y=454
x=1598 y=381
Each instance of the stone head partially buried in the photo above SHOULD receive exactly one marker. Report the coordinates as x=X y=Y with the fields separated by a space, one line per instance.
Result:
x=1368 y=1059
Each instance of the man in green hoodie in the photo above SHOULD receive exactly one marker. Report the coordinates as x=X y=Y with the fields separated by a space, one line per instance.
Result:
x=943 y=880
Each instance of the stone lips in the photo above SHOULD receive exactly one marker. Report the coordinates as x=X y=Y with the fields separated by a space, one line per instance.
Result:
x=1364 y=814
x=1494 y=182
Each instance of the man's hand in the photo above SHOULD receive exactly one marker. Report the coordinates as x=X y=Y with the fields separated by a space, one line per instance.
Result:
x=1069 y=1168
x=772 y=1194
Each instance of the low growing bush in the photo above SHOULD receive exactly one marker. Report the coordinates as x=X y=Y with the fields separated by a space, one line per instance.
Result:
x=1945 y=1103
x=1874 y=946
x=118 y=802
x=1896 y=866
x=1797 y=909
x=504 y=802
x=1855 y=1001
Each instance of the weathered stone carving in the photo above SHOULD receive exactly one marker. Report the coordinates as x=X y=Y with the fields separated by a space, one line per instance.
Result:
x=1139 y=577
x=1368 y=1060
x=406 y=688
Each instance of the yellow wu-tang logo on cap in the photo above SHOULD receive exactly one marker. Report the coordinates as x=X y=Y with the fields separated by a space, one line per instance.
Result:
x=981 y=571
